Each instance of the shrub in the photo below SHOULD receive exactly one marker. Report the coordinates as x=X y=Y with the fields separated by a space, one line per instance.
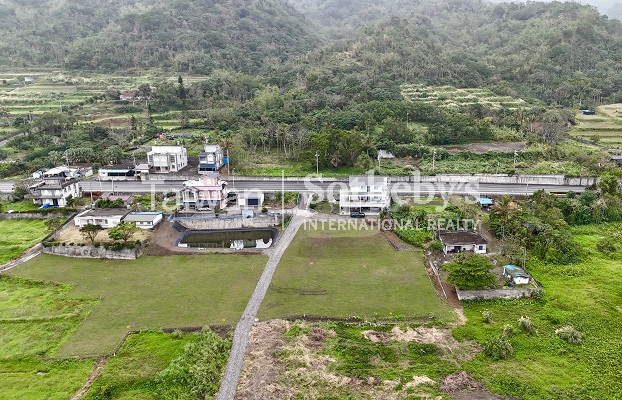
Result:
x=197 y=372
x=487 y=317
x=508 y=330
x=436 y=245
x=96 y=244
x=177 y=334
x=526 y=325
x=569 y=334
x=498 y=348
x=606 y=246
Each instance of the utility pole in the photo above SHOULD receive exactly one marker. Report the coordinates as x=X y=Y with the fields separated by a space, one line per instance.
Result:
x=433 y=160
x=515 y=156
x=407 y=119
x=378 y=162
x=317 y=163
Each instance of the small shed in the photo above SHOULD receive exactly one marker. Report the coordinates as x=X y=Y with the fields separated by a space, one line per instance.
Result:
x=144 y=220
x=517 y=274
x=485 y=202
x=459 y=241
x=588 y=112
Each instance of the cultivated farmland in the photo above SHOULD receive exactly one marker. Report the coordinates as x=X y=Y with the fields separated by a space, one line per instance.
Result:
x=150 y=292
x=351 y=273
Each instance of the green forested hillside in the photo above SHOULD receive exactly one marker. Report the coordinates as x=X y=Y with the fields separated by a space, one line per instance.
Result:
x=559 y=52
x=187 y=36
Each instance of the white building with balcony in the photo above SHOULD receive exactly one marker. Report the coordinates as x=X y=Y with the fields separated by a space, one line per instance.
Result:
x=211 y=159
x=57 y=186
x=165 y=159
x=368 y=194
x=206 y=193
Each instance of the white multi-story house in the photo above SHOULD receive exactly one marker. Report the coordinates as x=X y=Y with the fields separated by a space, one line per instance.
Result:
x=211 y=159
x=368 y=194
x=58 y=185
x=205 y=193
x=165 y=159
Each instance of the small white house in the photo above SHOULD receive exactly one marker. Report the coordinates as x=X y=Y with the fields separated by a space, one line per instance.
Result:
x=250 y=199
x=517 y=274
x=144 y=220
x=459 y=241
x=106 y=217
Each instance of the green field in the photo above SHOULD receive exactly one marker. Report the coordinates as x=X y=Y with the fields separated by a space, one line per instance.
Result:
x=585 y=295
x=350 y=273
x=604 y=128
x=35 y=319
x=454 y=97
x=19 y=235
x=131 y=373
x=150 y=292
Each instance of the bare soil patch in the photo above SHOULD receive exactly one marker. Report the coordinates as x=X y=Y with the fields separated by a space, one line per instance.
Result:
x=72 y=235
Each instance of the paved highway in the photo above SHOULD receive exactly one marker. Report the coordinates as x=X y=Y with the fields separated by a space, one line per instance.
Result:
x=402 y=188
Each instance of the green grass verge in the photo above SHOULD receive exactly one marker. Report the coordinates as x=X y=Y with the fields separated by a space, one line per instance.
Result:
x=350 y=273
x=585 y=295
x=151 y=292
x=19 y=235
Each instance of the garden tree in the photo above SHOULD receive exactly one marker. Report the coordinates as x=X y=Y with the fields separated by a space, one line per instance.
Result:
x=501 y=212
x=89 y=232
x=144 y=91
x=123 y=231
x=512 y=247
x=70 y=201
x=181 y=90
x=608 y=184
x=54 y=223
x=19 y=192
x=470 y=271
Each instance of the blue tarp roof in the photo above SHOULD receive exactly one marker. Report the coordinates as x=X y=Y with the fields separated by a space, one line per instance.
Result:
x=485 y=201
x=515 y=271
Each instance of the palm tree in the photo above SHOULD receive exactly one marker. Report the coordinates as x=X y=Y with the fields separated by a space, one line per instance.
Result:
x=502 y=209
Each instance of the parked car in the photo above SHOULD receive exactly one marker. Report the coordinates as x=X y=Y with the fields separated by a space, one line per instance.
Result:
x=357 y=214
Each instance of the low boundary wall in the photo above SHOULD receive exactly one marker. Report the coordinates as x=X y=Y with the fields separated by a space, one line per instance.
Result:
x=514 y=293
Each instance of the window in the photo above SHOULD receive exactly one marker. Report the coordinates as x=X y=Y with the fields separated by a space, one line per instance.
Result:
x=480 y=247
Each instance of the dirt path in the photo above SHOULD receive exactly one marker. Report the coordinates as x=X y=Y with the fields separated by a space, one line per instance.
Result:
x=229 y=382
x=99 y=367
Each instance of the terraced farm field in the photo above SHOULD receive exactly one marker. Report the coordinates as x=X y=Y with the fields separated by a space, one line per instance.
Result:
x=452 y=96
x=604 y=128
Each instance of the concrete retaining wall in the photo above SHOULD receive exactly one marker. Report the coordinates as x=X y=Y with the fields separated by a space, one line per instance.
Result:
x=515 y=293
x=499 y=179
x=94 y=252
x=229 y=223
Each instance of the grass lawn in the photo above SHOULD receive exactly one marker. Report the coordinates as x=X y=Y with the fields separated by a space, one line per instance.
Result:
x=19 y=235
x=587 y=296
x=131 y=373
x=151 y=292
x=350 y=273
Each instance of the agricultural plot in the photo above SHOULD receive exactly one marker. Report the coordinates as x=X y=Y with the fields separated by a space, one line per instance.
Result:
x=604 y=128
x=35 y=319
x=19 y=235
x=151 y=292
x=454 y=97
x=584 y=296
x=351 y=273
